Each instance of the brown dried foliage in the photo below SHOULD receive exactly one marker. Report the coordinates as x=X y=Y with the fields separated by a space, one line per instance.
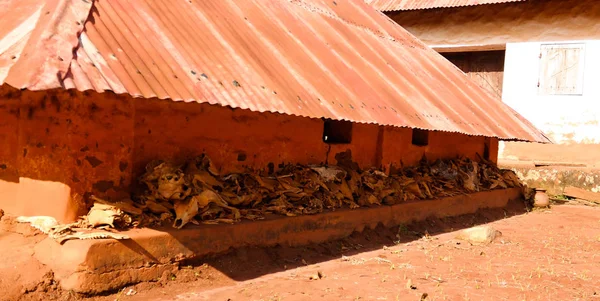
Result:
x=196 y=192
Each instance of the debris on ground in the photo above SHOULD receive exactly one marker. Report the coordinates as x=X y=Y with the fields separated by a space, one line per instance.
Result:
x=316 y=276
x=410 y=286
x=528 y=194
x=523 y=267
x=105 y=215
x=479 y=235
x=42 y=223
x=61 y=233
x=197 y=193
x=582 y=194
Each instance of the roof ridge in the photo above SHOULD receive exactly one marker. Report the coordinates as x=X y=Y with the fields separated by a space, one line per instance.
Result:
x=51 y=45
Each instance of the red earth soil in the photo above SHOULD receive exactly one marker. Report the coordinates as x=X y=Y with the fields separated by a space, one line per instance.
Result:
x=541 y=255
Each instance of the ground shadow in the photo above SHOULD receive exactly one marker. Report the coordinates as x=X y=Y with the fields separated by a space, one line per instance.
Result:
x=252 y=262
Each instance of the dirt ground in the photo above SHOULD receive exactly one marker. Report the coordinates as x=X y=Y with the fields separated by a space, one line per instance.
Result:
x=542 y=255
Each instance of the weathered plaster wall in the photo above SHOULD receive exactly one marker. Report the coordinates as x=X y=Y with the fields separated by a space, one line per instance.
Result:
x=397 y=147
x=566 y=119
x=9 y=127
x=556 y=179
x=492 y=26
x=571 y=121
x=62 y=146
x=259 y=139
x=9 y=141
x=274 y=138
x=238 y=138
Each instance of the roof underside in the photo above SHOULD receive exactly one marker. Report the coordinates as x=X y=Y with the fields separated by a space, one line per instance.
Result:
x=320 y=59
x=396 y=5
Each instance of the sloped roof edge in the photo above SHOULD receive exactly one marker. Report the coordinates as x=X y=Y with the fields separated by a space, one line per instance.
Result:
x=318 y=59
x=401 y=5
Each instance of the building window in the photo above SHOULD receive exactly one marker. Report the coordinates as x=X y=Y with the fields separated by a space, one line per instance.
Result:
x=486 y=148
x=561 y=69
x=420 y=137
x=337 y=131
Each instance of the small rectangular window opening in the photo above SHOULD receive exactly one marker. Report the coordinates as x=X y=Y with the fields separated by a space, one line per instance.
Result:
x=337 y=132
x=420 y=137
x=486 y=149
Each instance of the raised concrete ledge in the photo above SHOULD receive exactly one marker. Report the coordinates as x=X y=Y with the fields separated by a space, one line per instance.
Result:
x=556 y=176
x=94 y=266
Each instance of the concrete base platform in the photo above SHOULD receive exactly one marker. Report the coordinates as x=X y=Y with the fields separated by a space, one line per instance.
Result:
x=555 y=177
x=94 y=266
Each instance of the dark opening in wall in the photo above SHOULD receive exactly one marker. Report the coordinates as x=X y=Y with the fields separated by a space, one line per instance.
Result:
x=420 y=137
x=337 y=131
x=486 y=148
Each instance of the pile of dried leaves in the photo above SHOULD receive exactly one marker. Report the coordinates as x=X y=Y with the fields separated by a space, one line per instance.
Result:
x=197 y=192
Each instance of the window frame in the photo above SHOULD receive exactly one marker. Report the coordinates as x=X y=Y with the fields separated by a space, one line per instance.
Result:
x=544 y=79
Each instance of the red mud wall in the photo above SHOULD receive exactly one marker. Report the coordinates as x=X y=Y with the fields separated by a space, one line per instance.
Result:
x=9 y=141
x=236 y=138
x=398 y=147
x=61 y=146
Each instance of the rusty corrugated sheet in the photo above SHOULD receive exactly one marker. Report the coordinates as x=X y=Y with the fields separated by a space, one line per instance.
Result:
x=396 y=5
x=46 y=34
x=320 y=59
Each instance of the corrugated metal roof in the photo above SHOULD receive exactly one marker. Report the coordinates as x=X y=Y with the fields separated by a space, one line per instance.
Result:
x=320 y=59
x=395 y=5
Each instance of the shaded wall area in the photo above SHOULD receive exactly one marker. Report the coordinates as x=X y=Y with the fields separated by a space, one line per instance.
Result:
x=486 y=68
x=62 y=146
x=490 y=26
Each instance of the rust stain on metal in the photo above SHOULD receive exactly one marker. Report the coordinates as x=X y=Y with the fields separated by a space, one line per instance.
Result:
x=397 y=5
x=321 y=59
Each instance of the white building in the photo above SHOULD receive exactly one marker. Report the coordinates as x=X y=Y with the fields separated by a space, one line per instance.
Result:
x=556 y=85
x=541 y=57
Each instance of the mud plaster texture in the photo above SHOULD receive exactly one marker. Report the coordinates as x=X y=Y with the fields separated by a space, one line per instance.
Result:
x=95 y=266
x=61 y=146
x=20 y=272
x=556 y=179
x=498 y=24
